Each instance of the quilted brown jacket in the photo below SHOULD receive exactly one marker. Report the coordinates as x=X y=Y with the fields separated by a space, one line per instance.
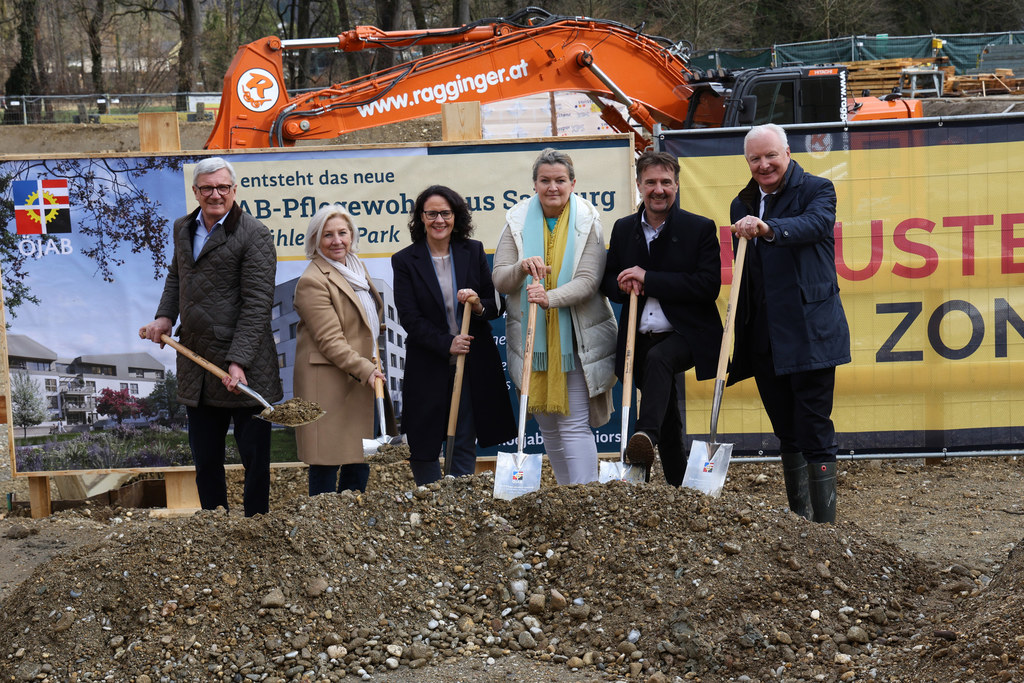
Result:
x=224 y=299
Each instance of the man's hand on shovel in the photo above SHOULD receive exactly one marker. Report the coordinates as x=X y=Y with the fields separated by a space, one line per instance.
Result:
x=235 y=376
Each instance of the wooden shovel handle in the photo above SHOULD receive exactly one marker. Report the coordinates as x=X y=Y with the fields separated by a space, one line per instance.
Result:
x=730 y=312
x=378 y=383
x=531 y=327
x=194 y=357
x=627 y=363
x=460 y=367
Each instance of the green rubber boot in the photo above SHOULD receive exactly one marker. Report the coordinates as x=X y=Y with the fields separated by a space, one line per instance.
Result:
x=794 y=471
x=822 y=483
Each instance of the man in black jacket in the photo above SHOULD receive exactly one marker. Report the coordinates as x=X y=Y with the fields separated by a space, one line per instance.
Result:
x=672 y=259
x=791 y=330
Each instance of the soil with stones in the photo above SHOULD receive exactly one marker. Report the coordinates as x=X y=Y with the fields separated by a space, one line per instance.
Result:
x=916 y=582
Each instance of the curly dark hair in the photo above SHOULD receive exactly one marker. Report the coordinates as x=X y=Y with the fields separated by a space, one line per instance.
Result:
x=463 y=219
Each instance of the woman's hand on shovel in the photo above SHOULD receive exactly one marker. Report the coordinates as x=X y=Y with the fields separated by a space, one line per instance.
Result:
x=460 y=344
x=471 y=296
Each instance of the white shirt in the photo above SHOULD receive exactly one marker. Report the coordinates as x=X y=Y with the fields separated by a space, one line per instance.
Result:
x=653 y=319
x=202 y=234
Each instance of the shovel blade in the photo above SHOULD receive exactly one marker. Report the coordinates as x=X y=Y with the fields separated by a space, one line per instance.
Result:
x=621 y=471
x=707 y=467
x=516 y=474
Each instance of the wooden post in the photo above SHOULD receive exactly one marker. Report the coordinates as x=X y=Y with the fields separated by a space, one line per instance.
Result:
x=39 y=496
x=461 y=121
x=158 y=132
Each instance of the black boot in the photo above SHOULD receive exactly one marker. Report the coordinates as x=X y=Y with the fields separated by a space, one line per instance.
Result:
x=822 y=482
x=794 y=471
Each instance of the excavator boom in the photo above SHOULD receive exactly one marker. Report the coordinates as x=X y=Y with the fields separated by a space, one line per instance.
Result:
x=489 y=62
x=527 y=53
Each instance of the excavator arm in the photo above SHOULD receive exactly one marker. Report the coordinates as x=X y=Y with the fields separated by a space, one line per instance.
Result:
x=490 y=60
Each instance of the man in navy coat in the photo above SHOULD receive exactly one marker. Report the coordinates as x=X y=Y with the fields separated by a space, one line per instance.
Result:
x=672 y=259
x=791 y=330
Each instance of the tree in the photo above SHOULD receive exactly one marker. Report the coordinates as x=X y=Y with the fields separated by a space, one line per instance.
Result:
x=116 y=404
x=27 y=402
x=24 y=78
x=165 y=397
x=185 y=14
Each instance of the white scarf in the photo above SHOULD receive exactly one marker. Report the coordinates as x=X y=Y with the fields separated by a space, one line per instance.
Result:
x=355 y=273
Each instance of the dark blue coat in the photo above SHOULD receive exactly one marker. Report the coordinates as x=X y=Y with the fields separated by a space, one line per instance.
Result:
x=806 y=321
x=425 y=395
x=684 y=273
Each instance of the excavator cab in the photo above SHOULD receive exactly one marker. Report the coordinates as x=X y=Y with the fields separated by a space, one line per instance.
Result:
x=816 y=94
x=787 y=95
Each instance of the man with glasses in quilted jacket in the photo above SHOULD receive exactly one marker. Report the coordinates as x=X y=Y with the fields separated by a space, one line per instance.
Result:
x=221 y=285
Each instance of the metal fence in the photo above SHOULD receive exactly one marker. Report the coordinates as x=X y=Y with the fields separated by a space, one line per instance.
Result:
x=107 y=108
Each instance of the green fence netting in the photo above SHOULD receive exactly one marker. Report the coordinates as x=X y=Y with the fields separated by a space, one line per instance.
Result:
x=963 y=50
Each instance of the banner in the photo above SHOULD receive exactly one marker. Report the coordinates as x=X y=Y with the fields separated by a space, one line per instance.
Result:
x=89 y=239
x=930 y=258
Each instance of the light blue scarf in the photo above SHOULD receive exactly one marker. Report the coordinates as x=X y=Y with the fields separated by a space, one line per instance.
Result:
x=534 y=228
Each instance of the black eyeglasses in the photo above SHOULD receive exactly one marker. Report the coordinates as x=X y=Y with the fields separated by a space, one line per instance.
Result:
x=432 y=215
x=207 y=190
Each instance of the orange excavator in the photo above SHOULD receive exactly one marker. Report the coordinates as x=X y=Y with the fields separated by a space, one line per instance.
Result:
x=529 y=52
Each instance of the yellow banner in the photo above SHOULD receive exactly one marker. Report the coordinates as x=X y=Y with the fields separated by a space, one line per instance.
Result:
x=930 y=258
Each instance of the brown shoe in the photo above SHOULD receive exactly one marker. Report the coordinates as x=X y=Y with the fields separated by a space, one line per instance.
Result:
x=640 y=449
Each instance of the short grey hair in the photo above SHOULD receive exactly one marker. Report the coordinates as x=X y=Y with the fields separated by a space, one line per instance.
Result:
x=553 y=156
x=212 y=165
x=319 y=220
x=765 y=129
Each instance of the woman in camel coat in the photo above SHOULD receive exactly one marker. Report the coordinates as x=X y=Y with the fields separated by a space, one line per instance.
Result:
x=340 y=312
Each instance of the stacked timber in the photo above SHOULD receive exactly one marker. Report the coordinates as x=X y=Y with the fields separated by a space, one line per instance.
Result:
x=998 y=82
x=879 y=76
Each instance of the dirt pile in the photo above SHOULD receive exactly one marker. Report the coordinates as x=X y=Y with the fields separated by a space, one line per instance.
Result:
x=647 y=582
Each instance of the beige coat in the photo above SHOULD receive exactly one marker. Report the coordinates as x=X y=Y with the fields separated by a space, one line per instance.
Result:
x=333 y=360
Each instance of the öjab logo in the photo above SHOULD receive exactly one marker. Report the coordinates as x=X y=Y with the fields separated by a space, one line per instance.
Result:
x=42 y=208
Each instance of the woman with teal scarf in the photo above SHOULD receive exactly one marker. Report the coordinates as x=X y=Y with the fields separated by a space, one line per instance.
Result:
x=551 y=253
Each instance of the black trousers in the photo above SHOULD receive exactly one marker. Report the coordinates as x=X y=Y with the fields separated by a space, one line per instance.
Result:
x=799 y=406
x=207 y=430
x=658 y=359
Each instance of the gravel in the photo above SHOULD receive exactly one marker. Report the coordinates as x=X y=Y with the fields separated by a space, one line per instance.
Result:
x=444 y=583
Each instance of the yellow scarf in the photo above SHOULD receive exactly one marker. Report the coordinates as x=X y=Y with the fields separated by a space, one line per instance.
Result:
x=549 y=392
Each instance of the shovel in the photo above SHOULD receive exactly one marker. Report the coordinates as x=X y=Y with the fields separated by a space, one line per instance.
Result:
x=269 y=411
x=518 y=473
x=621 y=470
x=709 y=460
x=371 y=446
x=460 y=369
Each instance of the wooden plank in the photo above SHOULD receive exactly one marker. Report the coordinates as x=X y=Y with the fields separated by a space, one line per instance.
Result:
x=182 y=494
x=461 y=121
x=158 y=132
x=82 y=486
x=39 y=496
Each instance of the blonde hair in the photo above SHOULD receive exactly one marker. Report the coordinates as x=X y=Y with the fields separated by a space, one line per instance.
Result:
x=316 y=228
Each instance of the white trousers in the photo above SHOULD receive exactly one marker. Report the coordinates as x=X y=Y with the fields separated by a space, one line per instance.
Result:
x=568 y=440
